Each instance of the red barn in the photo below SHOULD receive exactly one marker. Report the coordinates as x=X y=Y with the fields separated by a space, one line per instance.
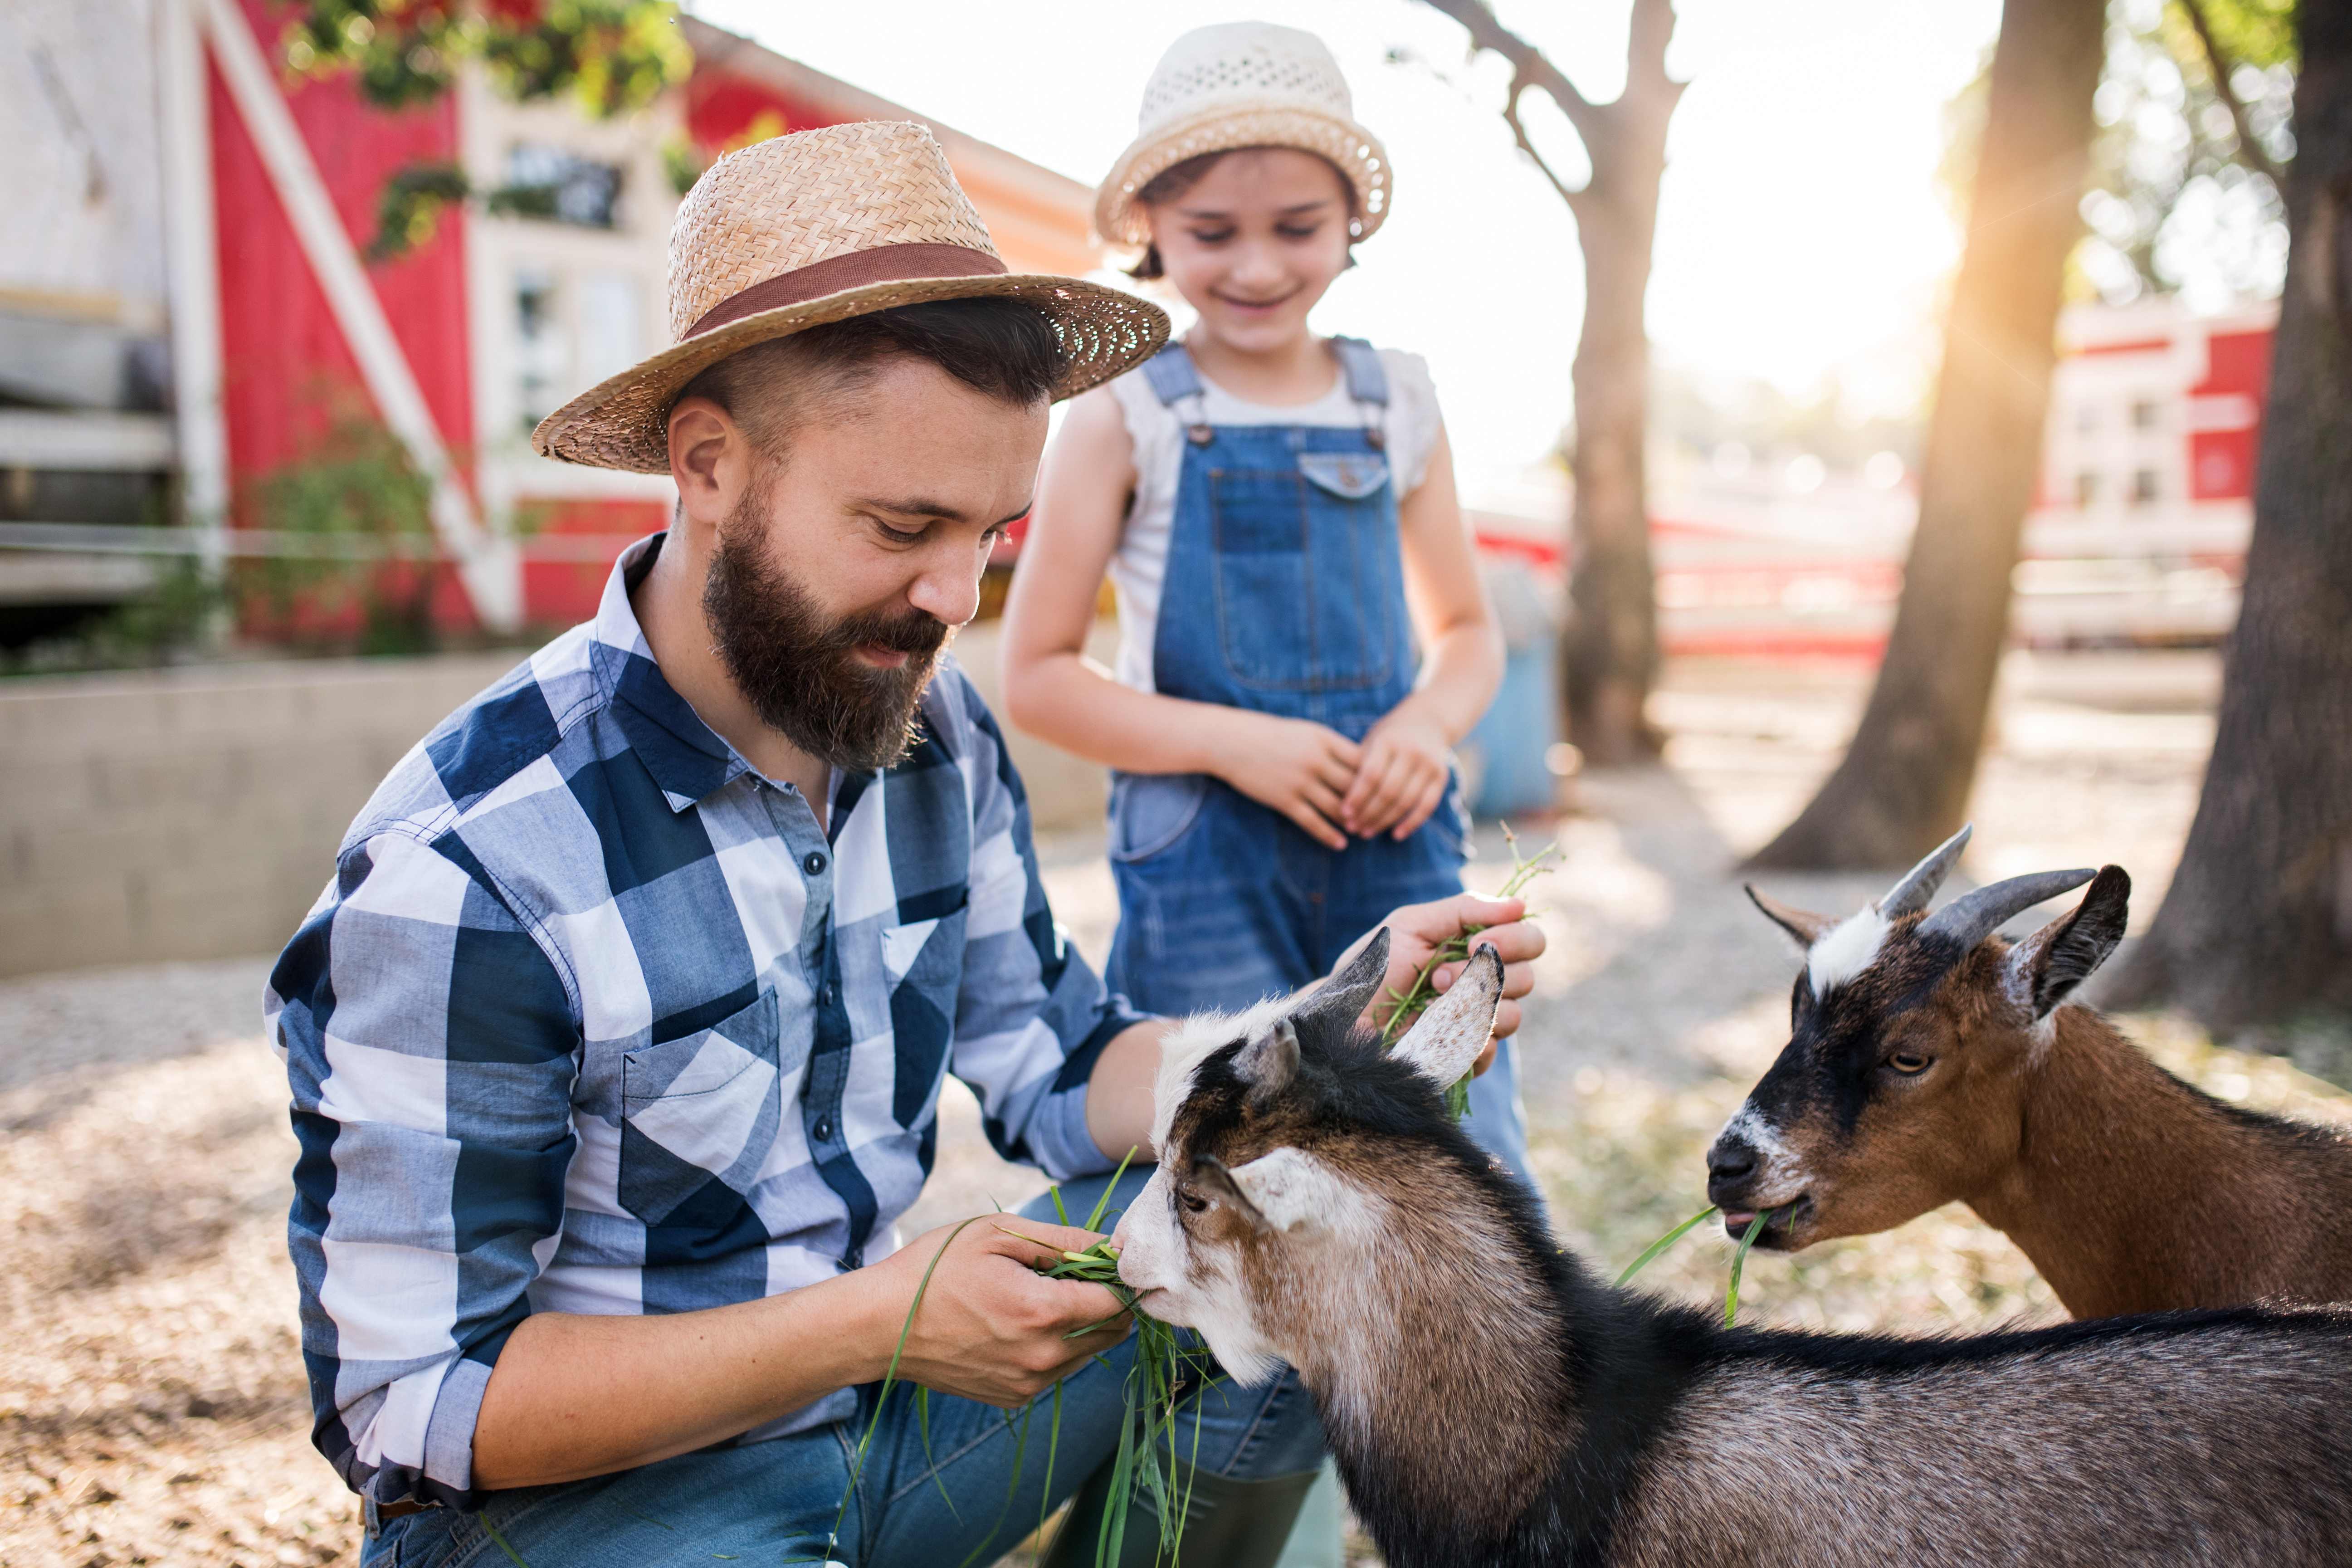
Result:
x=264 y=188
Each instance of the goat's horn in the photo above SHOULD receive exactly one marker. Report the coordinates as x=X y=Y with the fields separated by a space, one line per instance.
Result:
x=1973 y=917
x=1910 y=895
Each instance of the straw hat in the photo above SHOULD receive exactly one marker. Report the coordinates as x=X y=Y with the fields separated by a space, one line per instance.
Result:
x=818 y=226
x=1243 y=84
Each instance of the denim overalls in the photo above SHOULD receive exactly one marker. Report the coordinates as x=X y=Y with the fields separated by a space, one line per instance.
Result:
x=1284 y=593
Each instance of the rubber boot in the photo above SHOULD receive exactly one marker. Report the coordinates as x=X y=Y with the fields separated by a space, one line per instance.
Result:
x=1229 y=1523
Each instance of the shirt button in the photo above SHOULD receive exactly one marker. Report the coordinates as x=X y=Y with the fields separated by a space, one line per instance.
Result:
x=813 y=864
x=823 y=1131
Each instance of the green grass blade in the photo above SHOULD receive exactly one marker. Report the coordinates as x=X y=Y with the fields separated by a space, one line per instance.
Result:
x=1663 y=1242
x=890 y=1376
x=1738 y=1261
x=1055 y=1193
x=923 y=1421
x=492 y=1532
x=1104 y=1201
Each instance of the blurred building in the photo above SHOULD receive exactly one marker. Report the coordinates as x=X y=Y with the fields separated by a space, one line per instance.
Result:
x=184 y=290
x=2137 y=535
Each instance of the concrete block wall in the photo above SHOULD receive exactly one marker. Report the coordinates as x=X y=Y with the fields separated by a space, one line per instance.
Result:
x=195 y=813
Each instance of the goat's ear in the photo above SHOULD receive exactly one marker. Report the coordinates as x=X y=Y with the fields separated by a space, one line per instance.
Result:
x=1287 y=1189
x=1344 y=996
x=1806 y=927
x=1445 y=1040
x=2054 y=959
x=1269 y=1064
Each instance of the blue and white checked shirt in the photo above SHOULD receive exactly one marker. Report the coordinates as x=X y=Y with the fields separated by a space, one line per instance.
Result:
x=594 y=1018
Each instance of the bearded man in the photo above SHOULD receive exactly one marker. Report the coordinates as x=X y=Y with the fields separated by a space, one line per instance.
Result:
x=616 y=1040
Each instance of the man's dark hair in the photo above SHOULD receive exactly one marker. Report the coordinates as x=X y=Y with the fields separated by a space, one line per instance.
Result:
x=1006 y=348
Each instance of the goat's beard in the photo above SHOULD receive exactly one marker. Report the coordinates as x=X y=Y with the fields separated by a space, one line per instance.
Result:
x=803 y=674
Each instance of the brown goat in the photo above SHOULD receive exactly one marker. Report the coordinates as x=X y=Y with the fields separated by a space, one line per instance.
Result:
x=1929 y=1060
x=1490 y=1403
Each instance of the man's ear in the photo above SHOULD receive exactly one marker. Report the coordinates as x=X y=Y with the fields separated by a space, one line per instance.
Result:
x=2060 y=956
x=1446 y=1040
x=1802 y=924
x=1345 y=995
x=1286 y=1189
x=709 y=457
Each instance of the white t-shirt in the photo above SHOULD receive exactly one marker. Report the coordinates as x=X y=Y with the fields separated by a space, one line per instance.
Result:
x=1141 y=562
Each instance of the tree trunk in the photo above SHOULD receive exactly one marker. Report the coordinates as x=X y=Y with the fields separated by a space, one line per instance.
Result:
x=2257 y=927
x=1904 y=784
x=1609 y=656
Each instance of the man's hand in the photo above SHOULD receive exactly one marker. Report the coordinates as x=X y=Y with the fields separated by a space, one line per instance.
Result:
x=1298 y=767
x=990 y=1327
x=1417 y=930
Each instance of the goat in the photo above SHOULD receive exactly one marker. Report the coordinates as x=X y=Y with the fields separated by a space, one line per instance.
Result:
x=1490 y=1402
x=1929 y=1060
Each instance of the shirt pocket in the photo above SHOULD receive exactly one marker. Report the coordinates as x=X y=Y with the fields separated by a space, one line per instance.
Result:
x=1304 y=603
x=699 y=1110
x=923 y=962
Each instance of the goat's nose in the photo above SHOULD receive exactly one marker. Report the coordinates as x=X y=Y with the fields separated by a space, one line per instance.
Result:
x=1730 y=1161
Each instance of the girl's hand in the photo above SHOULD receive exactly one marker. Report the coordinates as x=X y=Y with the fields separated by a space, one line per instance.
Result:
x=1402 y=776
x=1294 y=765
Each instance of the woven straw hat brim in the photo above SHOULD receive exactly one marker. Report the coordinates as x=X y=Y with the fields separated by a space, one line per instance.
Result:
x=623 y=421
x=1354 y=152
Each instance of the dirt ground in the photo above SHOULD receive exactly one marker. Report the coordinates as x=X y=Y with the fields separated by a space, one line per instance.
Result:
x=151 y=1405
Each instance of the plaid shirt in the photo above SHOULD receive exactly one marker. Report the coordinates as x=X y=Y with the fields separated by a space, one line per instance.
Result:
x=594 y=1018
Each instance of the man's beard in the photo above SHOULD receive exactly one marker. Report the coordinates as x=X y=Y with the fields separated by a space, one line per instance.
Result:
x=801 y=675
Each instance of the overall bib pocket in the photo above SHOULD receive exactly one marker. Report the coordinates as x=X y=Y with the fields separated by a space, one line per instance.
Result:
x=1301 y=602
x=702 y=1107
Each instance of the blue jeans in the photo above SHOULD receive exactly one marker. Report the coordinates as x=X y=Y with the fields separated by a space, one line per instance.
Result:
x=967 y=1497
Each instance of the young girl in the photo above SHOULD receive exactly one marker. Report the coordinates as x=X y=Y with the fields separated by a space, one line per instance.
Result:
x=1303 y=632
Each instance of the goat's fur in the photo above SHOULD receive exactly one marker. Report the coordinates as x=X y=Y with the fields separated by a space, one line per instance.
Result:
x=2130 y=1190
x=1490 y=1402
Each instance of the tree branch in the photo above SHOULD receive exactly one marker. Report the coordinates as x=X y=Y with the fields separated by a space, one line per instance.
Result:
x=1528 y=67
x=1574 y=198
x=1651 y=29
x=2217 y=65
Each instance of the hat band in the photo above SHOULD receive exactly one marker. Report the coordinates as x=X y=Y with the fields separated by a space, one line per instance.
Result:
x=881 y=264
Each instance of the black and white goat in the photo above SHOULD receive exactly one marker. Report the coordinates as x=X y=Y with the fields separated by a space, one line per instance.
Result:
x=1490 y=1402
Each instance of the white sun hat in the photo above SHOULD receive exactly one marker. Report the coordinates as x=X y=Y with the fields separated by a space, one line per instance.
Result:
x=1243 y=84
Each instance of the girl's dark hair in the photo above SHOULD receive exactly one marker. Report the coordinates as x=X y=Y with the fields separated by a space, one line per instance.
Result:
x=1174 y=179
x=1006 y=348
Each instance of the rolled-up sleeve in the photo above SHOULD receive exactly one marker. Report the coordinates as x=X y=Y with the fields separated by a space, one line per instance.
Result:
x=1032 y=1018
x=430 y=1046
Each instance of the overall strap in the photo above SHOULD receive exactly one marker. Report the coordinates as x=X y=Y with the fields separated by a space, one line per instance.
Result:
x=1171 y=374
x=1176 y=381
x=1368 y=384
x=1368 y=381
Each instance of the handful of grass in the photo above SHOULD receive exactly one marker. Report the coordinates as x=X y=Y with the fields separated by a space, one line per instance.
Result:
x=1165 y=1370
x=1412 y=1003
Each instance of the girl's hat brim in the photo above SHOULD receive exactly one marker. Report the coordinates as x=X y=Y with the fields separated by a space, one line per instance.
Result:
x=624 y=421
x=1229 y=126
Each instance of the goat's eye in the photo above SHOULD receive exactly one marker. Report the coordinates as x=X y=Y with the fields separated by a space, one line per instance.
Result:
x=1910 y=1063
x=1193 y=1202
